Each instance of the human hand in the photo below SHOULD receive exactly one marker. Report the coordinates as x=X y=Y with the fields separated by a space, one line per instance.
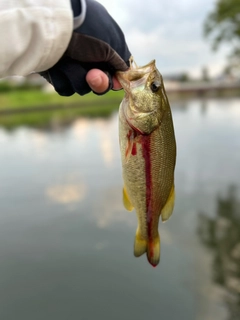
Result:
x=96 y=51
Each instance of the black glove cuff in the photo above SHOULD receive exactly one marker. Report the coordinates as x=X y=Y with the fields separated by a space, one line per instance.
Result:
x=79 y=12
x=76 y=7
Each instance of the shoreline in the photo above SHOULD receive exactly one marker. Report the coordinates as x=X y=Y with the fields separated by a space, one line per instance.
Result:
x=25 y=101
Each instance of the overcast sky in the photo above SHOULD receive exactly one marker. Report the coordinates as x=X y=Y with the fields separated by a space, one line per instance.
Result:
x=168 y=31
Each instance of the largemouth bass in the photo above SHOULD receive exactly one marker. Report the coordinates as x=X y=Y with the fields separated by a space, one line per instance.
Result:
x=148 y=152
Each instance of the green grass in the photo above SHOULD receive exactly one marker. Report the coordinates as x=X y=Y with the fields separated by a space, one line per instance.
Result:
x=39 y=109
x=36 y=98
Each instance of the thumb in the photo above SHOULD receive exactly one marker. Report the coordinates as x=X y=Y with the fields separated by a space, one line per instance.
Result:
x=98 y=81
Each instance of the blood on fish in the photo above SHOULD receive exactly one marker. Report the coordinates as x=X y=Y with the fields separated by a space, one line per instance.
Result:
x=134 y=149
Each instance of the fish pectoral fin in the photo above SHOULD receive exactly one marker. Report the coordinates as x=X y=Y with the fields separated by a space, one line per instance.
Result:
x=126 y=201
x=168 y=208
x=151 y=247
x=129 y=146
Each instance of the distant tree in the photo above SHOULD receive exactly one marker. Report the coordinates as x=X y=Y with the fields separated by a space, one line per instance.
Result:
x=205 y=74
x=227 y=71
x=183 y=77
x=223 y=24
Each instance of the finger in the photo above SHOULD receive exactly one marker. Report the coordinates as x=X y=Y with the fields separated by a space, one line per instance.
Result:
x=116 y=84
x=97 y=80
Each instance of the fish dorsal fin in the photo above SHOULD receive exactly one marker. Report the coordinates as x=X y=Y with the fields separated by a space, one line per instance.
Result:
x=126 y=200
x=168 y=208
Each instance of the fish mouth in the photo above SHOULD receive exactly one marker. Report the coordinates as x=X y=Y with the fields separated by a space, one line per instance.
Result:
x=136 y=74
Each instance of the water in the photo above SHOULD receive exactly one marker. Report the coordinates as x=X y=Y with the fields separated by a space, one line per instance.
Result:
x=66 y=242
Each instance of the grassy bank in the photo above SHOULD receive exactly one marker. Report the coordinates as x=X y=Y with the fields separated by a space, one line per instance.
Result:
x=33 y=107
x=22 y=99
x=40 y=109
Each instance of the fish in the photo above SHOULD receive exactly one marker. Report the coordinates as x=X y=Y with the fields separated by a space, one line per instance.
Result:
x=148 y=154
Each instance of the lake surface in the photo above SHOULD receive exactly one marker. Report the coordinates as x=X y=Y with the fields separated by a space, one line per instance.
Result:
x=66 y=241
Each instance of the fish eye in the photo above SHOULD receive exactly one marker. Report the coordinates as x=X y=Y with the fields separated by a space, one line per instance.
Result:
x=155 y=86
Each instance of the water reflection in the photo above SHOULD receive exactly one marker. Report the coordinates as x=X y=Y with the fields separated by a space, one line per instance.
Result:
x=221 y=234
x=66 y=193
x=66 y=241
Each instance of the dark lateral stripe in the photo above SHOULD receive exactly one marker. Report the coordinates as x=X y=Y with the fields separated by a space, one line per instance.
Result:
x=146 y=148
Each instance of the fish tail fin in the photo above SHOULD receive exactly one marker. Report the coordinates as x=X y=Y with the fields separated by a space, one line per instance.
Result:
x=152 y=248
x=153 y=251
x=140 y=244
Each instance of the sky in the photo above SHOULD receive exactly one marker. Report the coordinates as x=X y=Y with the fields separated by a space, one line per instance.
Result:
x=169 y=31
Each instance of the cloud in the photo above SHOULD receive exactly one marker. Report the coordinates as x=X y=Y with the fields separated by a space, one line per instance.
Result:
x=169 y=31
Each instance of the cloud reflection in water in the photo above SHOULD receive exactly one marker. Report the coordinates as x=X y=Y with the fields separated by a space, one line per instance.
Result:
x=66 y=194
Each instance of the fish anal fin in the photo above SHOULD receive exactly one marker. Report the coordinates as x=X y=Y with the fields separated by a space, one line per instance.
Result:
x=126 y=201
x=153 y=251
x=140 y=244
x=168 y=208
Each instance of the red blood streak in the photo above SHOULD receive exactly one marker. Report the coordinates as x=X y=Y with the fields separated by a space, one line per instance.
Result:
x=134 y=149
